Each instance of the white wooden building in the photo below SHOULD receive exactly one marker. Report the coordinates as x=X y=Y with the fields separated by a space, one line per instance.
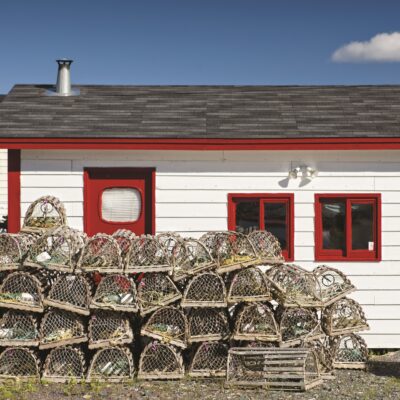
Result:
x=194 y=159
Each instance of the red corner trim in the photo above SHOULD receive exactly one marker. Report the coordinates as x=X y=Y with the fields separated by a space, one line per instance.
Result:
x=317 y=143
x=14 y=191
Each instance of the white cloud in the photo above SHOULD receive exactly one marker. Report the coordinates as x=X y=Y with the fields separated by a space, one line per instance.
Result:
x=384 y=47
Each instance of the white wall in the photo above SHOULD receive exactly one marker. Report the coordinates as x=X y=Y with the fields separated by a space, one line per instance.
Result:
x=191 y=198
x=3 y=182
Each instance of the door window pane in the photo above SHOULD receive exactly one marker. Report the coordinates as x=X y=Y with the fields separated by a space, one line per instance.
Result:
x=121 y=205
x=333 y=225
x=362 y=226
x=247 y=216
x=275 y=221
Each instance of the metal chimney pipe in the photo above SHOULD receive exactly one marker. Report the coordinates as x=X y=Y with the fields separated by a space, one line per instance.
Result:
x=63 y=86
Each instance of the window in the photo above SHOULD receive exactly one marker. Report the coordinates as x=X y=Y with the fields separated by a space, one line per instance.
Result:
x=121 y=205
x=347 y=227
x=272 y=212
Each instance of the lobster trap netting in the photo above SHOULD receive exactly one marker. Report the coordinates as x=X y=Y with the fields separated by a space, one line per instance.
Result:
x=343 y=316
x=205 y=290
x=190 y=256
x=58 y=249
x=71 y=293
x=60 y=328
x=13 y=248
x=18 y=329
x=249 y=285
x=21 y=291
x=124 y=238
x=107 y=328
x=298 y=326
x=169 y=240
x=147 y=254
x=160 y=361
x=349 y=352
x=273 y=368
x=101 y=253
x=209 y=360
x=169 y=325
x=267 y=247
x=256 y=321
x=322 y=350
x=293 y=286
x=230 y=250
x=332 y=284
x=20 y=363
x=156 y=290
x=64 y=364
x=44 y=213
x=114 y=364
x=116 y=292
x=206 y=324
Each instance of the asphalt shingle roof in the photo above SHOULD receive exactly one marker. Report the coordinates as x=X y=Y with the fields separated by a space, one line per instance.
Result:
x=203 y=112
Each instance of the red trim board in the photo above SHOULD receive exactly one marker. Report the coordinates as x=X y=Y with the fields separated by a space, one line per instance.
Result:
x=317 y=143
x=14 y=191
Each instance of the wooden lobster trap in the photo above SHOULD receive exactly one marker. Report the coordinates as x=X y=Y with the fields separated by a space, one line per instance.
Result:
x=64 y=364
x=255 y=321
x=19 y=363
x=70 y=293
x=111 y=364
x=209 y=360
x=189 y=257
x=18 y=329
x=332 y=284
x=124 y=238
x=273 y=368
x=156 y=290
x=58 y=249
x=205 y=290
x=102 y=254
x=147 y=254
x=160 y=361
x=208 y=324
x=21 y=291
x=169 y=325
x=349 y=352
x=321 y=347
x=298 y=326
x=107 y=328
x=230 y=250
x=344 y=316
x=13 y=248
x=61 y=328
x=44 y=213
x=115 y=292
x=293 y=286
x=267 y=247
x=249 y=285
x=169 y=240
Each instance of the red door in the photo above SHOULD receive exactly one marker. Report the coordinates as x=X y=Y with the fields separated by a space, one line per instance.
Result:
x=117 y=198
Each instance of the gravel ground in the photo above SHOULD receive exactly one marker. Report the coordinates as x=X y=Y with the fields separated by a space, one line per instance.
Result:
x=347 y=385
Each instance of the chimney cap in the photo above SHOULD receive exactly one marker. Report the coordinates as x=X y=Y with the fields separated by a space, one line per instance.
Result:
x=62 y=61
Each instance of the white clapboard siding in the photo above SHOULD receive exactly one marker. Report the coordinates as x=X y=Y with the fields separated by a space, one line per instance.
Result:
x=191 y=198
x=3 y=182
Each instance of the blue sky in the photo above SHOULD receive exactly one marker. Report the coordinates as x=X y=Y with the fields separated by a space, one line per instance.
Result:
x=193 y=42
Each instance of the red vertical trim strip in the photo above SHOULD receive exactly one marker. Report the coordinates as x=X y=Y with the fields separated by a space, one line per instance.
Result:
x=14 y=191
x=153 y=201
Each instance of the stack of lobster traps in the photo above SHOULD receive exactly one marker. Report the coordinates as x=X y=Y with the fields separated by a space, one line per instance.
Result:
x=111 y=307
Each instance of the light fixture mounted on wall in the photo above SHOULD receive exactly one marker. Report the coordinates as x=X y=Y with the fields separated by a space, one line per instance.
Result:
x=304 y=172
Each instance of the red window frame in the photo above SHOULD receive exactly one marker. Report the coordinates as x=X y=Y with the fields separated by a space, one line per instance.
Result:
x=349 y=254
x=287 y=198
